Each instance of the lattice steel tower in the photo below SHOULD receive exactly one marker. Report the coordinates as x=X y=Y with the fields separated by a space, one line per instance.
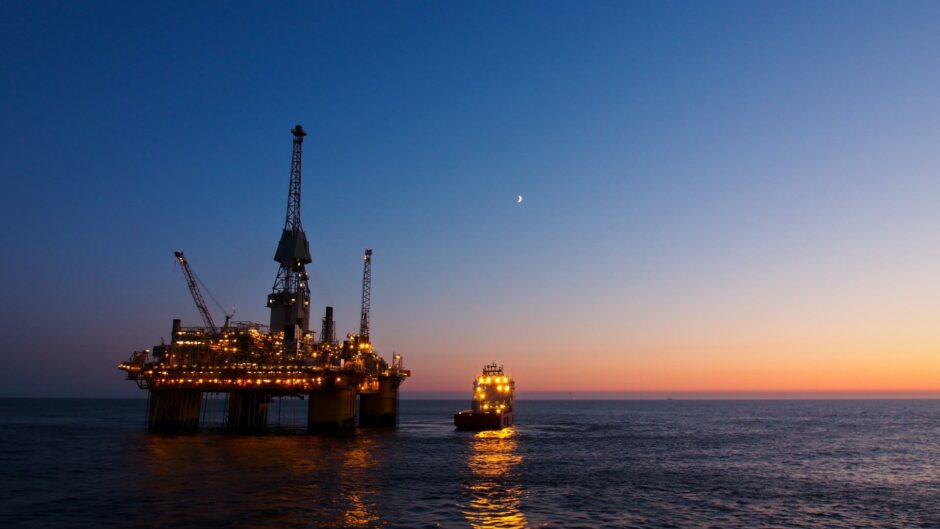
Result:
x=366 y=296
x=289 y=300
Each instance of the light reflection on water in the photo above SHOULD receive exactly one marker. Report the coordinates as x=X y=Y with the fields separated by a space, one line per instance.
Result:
x=494 y=489
x=262 y=481
x=736 y=465
x=359 y=497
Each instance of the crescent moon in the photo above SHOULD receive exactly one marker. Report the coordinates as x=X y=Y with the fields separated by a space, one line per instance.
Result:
x=519 y=199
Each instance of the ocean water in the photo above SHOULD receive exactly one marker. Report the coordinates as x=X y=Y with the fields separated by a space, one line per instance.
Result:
x=696 y=464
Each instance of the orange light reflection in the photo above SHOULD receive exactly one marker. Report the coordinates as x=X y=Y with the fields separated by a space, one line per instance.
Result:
x=495 y=493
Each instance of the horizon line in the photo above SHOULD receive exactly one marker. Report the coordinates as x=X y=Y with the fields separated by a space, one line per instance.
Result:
x=730 y=395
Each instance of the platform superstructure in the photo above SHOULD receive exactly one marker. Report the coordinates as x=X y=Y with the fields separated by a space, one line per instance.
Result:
x=345 y=383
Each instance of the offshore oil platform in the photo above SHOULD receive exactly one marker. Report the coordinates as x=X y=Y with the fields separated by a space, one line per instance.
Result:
x=250 y=363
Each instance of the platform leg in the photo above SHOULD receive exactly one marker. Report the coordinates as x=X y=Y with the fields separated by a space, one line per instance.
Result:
x=174 y=410
x=380 y=408
x=248 y=411
x=331 y=409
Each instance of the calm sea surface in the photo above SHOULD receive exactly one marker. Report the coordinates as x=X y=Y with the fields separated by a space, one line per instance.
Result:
x=747 y=464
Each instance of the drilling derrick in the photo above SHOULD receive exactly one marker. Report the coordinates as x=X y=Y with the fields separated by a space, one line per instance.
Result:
x=289 y=300
x=366 y=297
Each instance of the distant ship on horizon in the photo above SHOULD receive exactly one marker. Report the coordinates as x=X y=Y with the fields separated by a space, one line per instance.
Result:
x=491 y=407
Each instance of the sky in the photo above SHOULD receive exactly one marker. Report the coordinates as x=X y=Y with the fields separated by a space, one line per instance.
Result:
x=721 y=198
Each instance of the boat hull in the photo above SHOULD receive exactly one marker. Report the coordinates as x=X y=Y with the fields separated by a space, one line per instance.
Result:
x=472 y=421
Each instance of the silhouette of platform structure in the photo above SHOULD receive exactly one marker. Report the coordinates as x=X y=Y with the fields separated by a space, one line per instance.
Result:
x=346 y=384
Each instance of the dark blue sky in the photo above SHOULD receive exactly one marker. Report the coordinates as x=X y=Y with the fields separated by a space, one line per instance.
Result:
x=705 y=183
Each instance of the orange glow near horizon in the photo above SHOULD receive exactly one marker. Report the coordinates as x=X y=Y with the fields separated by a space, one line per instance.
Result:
x=794 y=317
x=766 y=368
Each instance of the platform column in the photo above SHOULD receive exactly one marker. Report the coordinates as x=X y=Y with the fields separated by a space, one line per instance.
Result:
x=332 y=409
x=248 y=410
x=174 y=410
x=380 y=408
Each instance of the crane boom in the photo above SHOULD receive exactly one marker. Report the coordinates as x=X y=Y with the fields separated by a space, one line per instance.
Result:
x=197 y=295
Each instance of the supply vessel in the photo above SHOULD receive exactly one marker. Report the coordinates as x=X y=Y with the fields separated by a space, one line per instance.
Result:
x=491 y=406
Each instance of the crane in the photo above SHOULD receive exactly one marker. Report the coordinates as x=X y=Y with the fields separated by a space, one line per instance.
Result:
x=366 y=296
x=191 y=282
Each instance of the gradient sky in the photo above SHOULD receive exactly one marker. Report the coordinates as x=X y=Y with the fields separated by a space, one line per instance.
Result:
x=719 y=196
